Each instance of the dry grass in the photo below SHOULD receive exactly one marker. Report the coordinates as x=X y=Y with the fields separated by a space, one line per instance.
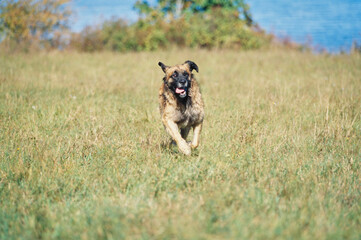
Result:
x=82 y=148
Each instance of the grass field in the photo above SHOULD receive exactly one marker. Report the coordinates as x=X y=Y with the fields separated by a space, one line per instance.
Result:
x=84 y=154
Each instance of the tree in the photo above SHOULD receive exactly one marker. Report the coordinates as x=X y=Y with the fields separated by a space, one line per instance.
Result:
x=26 y=22
x=182 y=23
x=178 y=7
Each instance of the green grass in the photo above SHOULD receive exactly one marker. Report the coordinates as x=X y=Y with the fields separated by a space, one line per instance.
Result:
x=83 y=151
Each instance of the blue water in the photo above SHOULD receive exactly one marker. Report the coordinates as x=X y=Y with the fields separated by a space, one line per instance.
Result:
x=326 y=24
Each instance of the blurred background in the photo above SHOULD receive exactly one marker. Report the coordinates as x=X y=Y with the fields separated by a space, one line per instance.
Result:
x=120 y=25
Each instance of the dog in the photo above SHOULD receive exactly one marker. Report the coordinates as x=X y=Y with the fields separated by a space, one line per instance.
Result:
x=181 y=104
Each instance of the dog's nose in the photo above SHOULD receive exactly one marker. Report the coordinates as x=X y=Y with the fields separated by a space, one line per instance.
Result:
x=182 y=81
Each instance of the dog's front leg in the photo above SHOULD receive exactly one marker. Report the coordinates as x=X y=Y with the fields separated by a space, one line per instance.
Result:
x=172 y=129
x=197 y=131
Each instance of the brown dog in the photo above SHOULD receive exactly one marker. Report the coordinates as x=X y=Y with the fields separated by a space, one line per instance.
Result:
x=181 y=105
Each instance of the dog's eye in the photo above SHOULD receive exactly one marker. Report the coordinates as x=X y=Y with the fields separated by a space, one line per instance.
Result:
x=185 y=74
x=175 y=74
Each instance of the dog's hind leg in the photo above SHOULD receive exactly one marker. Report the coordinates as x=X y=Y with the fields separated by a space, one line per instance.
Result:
x=185 y=132
x=197 y=131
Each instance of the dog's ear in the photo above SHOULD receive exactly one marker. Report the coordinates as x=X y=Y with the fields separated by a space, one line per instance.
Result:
x=163 y=66
x=192 y=66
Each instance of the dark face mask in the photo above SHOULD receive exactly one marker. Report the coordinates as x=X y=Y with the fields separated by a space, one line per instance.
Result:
x=180 y=84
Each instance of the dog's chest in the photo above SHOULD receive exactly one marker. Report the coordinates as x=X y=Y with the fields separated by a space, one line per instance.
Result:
x=188 y=117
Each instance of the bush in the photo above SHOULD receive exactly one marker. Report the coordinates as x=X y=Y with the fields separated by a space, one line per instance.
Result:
x=33 y=24
x=213 y=29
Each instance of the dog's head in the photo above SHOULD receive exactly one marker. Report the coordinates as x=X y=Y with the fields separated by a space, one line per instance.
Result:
x=178 y=78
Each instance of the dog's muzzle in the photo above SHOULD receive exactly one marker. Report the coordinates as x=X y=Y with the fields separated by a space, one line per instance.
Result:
x=182 y=87
x=182 y=92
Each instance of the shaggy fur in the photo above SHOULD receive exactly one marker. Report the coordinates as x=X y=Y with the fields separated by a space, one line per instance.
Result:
x=181 y=105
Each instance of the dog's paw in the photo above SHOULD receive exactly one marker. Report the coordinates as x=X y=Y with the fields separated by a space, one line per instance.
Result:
x=193 y=146
x=185 y=148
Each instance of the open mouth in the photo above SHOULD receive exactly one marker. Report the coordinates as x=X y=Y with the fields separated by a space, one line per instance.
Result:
x=182 y=93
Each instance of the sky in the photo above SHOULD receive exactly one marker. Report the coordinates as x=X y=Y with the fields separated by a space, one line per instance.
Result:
x=326 y=24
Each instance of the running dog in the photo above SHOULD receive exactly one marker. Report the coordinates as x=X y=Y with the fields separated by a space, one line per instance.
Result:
x=181 y=104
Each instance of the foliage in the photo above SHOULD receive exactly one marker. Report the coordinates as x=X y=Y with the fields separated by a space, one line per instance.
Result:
x=28 y=23
x=84 y=154
x=199 y=24
x=181 y=7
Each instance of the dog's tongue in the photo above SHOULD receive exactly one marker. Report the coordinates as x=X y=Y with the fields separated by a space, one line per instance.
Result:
x=179 y=90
